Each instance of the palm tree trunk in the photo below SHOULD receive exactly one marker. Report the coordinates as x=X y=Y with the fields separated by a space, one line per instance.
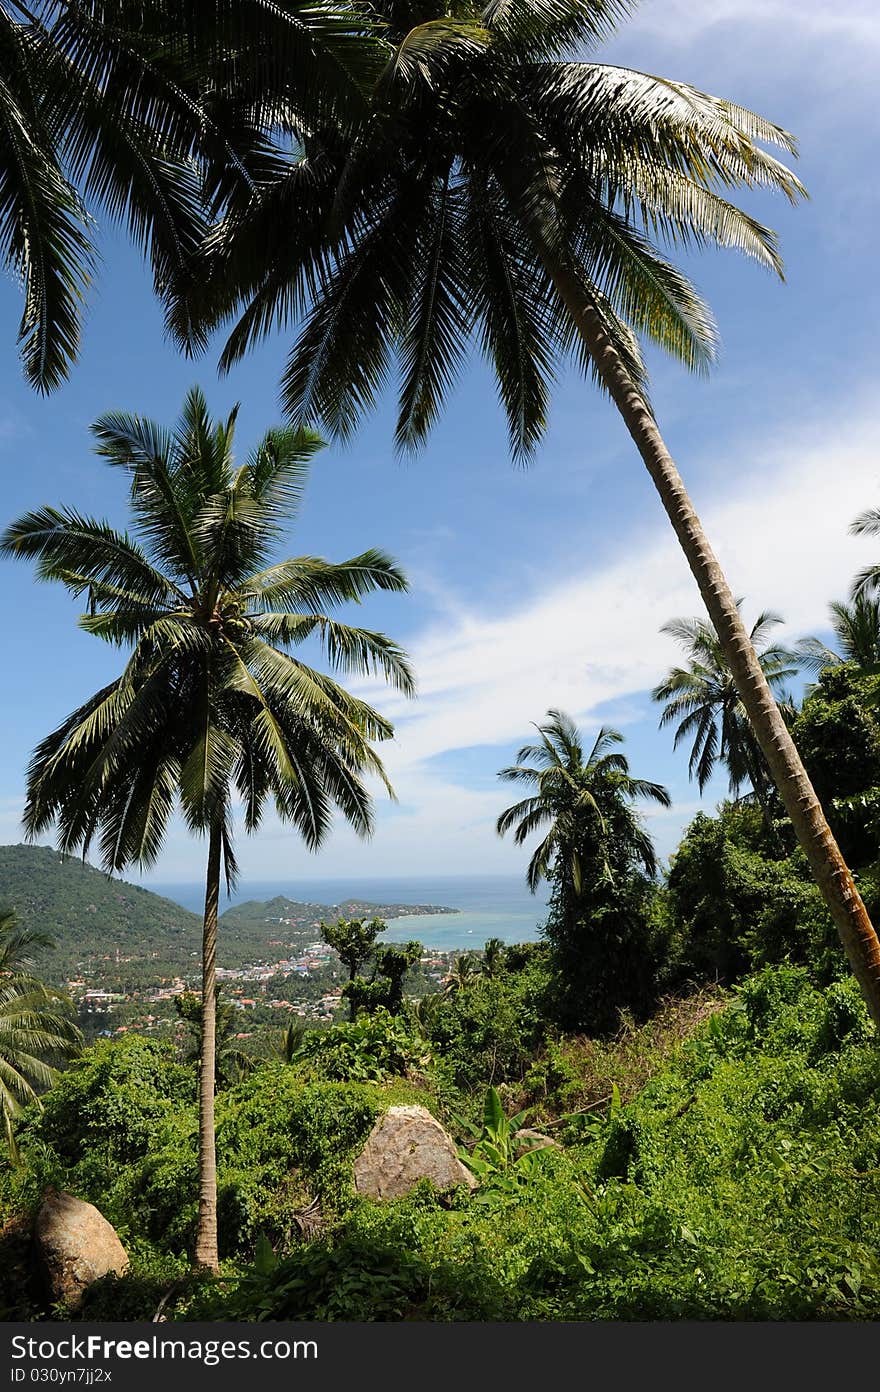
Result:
x=829 y=869
x=206 y=1238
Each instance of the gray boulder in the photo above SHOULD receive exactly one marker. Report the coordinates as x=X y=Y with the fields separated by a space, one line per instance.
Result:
x=75 y=1245
x=408 y=1144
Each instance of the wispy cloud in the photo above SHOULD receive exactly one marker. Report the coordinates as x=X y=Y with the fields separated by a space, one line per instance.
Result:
x=780 y=530
x=778 y=520
x=681 y=21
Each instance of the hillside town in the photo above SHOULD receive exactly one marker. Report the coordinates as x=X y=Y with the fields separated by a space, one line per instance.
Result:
x=306 y=984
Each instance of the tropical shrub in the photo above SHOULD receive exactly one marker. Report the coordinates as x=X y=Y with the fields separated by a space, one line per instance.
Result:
x=838 y=735
x=740 y=1183
x=374 y=1046
x=733 y=907
x=488 y=1031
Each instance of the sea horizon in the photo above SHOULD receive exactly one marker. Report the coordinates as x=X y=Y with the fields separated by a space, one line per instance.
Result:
x=486 y=906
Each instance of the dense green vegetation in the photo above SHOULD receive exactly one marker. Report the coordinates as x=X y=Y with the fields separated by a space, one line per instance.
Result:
x=718 y=1148
x=741 y=1180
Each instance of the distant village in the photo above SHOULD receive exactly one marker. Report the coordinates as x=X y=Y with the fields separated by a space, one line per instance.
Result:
x=251 y=987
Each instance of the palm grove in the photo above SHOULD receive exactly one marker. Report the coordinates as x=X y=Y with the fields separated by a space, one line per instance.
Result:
x=398 y=185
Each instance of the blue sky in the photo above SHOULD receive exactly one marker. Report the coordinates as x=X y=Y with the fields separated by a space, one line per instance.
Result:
x=545 y=587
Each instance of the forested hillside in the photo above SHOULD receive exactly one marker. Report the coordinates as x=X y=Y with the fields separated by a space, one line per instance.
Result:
x=90 y=916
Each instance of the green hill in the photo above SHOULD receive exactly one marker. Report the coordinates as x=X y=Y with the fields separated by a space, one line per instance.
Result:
x=121 y=936
x=91 y=916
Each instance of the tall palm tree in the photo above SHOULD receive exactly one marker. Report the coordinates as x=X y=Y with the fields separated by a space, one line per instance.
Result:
x=502 y=192
x=493 y=956
x=211 y=710
x=703 y=699
x=856 y=627
x=582 y=799
x=35 y=1025
x=152 y=114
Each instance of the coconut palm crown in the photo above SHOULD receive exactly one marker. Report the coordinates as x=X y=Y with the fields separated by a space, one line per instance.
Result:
x=856 y=628
x=489 y=158
x=703 y=699
x=211 y=706
x=586 y=798
x=152 y=116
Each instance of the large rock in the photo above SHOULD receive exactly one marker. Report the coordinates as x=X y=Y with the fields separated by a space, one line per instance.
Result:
x=75 y=1245
x=408 y=1144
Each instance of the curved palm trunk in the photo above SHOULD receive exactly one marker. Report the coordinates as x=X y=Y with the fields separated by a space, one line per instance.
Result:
x=206 y=1238
x=829 y=869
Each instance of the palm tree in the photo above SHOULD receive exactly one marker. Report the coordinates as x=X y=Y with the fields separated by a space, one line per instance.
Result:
x=35 y=1025
x=211 y=708
x=287 y=1044
x=464 y=972
x=600 y=862
x=856 y=627
x=582 y=799
x=151 y=114
x=498 y=191
x=231 y=1063
x=423 y=1010
x=866 y=524
x=493 y=957
x=703 y=699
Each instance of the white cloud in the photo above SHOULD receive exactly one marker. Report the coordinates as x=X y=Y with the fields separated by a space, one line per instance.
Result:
x=778 y=520
x=780 y=531
x=682 y=21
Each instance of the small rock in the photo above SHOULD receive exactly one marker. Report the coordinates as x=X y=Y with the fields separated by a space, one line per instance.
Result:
x=408 y=1144
x=526 y=1139
x=75 y=1246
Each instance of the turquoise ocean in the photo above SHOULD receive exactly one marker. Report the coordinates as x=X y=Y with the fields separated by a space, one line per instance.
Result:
x=487 y=906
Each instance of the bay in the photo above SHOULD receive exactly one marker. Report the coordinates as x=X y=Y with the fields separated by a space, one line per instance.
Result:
x=488 y=906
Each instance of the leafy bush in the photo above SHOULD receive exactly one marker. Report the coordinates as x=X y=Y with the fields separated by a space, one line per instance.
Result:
x=114 y=1099
x=118 y=1104
x=734 y=908
x=375 y=1046
x=740 y=1183
x=489 y=1030
x=838 y=735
